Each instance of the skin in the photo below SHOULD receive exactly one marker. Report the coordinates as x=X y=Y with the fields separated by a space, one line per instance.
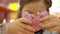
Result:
x=22 y=25
x=33 y=8
x=51 y=23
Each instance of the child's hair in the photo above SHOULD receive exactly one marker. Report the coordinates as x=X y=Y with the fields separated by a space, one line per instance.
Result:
x=24 y=2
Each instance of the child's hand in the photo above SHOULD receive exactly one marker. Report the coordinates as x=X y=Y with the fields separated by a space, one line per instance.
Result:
x=51 y=23
x=20 y=26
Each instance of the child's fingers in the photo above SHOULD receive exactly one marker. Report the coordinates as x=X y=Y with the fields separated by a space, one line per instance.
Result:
x=23 y=20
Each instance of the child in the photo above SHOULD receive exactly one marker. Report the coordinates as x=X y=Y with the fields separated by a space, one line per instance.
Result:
x=34 y=7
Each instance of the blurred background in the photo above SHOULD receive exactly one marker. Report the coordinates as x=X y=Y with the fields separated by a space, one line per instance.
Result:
x=55 y=8
x=14 y=6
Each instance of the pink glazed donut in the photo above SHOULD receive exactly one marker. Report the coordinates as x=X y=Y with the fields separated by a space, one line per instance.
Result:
x=35 y=20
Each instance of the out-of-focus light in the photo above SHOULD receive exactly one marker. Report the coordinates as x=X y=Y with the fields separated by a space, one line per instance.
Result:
x=13 y=6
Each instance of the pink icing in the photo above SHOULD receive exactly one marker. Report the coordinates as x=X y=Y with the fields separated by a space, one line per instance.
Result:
x=26 y=15
x=36 y=20
x=44 y=13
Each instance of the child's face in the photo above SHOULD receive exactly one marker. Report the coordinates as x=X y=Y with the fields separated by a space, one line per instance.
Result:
x=35 y=7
